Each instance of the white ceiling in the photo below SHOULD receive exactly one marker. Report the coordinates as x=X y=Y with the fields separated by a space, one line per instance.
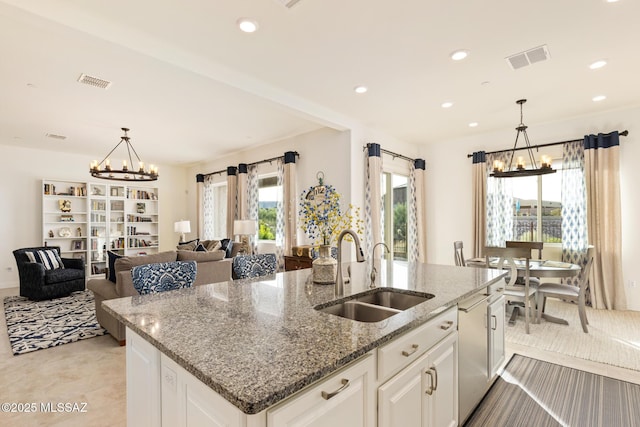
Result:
x=191 y=86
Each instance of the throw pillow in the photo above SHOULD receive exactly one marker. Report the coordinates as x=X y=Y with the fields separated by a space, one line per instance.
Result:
x=112 y=265
x=227 y=246
x=200 y=248
x=211 y=245
x=49 y=258
x=188 y=246
x=164 y=276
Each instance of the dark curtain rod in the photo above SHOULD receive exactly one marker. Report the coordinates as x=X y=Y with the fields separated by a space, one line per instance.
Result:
x=392 y=154
x=251 y=164
x=623 y=133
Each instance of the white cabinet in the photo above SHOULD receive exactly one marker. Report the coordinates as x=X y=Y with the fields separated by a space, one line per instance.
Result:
x=425 y=393
x=495 y=323
x=345 y=399
x=143 y=382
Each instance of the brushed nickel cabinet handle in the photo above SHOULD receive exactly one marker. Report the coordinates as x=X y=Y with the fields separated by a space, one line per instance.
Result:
x=435 y=371
x=414 y=348
x=327 y=396
x=448 y=324
x=496 y=319
x=430 y=390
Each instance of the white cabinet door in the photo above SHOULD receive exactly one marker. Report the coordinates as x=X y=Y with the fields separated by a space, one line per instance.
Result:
x=495 y=317
x=441 y=383
x=143 y=382
x=345 y=399
x=400 y=399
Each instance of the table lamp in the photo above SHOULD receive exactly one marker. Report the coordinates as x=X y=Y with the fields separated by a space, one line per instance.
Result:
x=245 y=228
x=182 y=227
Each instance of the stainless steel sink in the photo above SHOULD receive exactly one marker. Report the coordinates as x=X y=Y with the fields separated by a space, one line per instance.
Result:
x=373 y=306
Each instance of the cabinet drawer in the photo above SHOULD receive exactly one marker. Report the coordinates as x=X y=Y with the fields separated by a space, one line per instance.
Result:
x=399 y=353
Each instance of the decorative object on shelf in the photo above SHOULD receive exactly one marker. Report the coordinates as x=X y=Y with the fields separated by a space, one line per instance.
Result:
x=245 y=228
x=182 y=227
x=64 y=205
x=141 y=208
x=302 y=251
x=322 y=219
x=66 y=218
x=103 y=169
x=78 y=232
x=64 y=232
x=50 y=233
x=520 y=167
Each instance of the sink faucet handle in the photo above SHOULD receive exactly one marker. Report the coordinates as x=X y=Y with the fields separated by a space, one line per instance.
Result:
x=373 y=278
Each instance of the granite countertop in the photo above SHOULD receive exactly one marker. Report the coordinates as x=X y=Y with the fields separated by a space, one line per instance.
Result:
x=256 y=342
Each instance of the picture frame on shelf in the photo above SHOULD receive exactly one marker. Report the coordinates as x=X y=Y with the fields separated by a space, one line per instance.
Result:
x=141 y=207
x=77 y=245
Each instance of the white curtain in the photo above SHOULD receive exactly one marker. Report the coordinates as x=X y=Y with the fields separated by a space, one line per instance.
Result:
x=208 y=211
x=479 y=203
x=417 y=212
x=252 y=202
x=499 y=204
x=231 y=200
x=290 y=200
x=243 y=192
x=373 y=197
x=214 y=209
x=199 y=205
x=280 y=218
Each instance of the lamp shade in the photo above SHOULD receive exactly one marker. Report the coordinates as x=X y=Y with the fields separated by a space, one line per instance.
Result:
x=182 y=226
x=245 y=227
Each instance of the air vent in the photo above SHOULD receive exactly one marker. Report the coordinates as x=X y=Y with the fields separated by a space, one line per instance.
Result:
x=54 y=136
x=288 y=3
x=94 y=81
x=528 y=57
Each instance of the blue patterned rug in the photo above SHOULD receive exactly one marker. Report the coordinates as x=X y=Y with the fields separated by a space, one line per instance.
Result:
x=35 y=325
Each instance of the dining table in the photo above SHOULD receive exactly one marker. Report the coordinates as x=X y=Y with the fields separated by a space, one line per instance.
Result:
x=537 y=268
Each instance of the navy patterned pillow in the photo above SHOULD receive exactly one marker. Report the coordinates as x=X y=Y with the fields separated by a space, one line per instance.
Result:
x=163 y=276
x=245 y=266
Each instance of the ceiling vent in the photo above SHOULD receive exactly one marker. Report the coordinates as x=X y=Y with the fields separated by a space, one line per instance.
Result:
x=54 y=136
x=288 y=3
x=528 y=57
x=94 y=81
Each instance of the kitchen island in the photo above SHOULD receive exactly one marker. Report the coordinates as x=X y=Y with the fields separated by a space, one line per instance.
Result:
x=257 y=342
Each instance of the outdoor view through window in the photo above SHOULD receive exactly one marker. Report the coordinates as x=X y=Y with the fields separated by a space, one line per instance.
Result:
x=268 y=195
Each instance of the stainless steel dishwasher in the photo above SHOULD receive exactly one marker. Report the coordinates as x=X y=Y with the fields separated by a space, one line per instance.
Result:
x=474 y=373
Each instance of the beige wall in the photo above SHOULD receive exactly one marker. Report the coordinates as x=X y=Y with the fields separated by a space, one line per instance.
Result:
x=450 y=186
x=21 y=178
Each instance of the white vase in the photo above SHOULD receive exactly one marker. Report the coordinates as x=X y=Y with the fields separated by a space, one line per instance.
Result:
x=324 y=267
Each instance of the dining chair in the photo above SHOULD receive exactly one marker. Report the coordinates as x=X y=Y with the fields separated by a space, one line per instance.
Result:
x=567 y=292
x=457 y=253
x=532 y=246
x=514 y=293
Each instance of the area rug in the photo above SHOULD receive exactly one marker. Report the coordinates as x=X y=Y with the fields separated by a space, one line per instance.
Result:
x=36 y=325
x=531 y=392
x=613 y=338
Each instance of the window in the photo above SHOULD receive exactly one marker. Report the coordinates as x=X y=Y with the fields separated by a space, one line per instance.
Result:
x=537 y=207
x=269 y=193
x=394 y=214
x=215 y=211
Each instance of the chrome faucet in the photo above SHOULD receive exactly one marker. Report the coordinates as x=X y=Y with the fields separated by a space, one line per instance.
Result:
x=339 y=287
x=373 y=266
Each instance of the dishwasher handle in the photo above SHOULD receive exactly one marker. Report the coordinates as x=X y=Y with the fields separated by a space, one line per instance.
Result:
x=475 y=304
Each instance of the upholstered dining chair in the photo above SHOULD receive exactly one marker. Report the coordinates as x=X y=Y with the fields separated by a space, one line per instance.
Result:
x=256 y=265
x=45 y=275
x=513 y=293
x=570 y=293
x=163 y=276
x=457 y=254
x=532 y=246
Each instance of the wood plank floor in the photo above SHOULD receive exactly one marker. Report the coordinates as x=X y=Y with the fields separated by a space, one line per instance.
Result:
x=530 y=392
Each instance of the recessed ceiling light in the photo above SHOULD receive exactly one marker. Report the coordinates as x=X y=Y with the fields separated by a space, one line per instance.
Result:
x=598 y=98
x=598 y=64
x=611 y=1
x=247 y=25
x=447 y=104
x=459 y=55
x=473 y=124
x=360 y=89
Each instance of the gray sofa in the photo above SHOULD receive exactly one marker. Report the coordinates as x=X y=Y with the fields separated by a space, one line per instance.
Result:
x=212 y=267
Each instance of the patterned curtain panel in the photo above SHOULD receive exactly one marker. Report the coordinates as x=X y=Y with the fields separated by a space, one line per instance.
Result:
x=574 y=208
x=479 y=203
x=373 y=197
x=280 y=217
x=214 y=210
x=231 y=200
x=602 y=173
x=499 y=204
x=417 y=213
x=252 y=202
x=243 y=192
x=290 y=207
x=208 y=212
x=199 y=205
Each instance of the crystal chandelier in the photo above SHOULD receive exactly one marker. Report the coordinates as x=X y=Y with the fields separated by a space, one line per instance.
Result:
x=104 y=170
x=520 y=167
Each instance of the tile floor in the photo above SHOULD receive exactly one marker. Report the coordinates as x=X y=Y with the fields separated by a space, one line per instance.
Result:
x=93 y=371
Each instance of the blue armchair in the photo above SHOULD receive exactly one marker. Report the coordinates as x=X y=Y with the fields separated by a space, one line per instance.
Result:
x=45 y=280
